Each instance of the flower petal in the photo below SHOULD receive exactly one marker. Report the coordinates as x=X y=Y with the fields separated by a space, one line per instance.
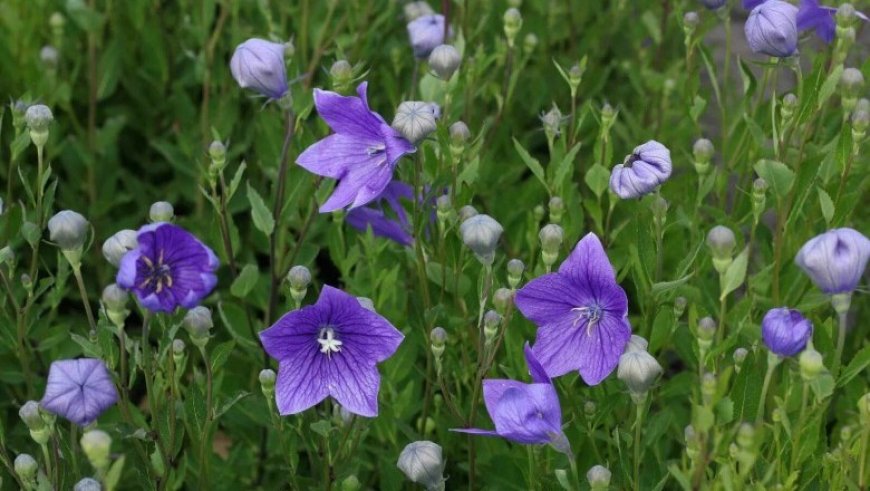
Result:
x=302 y=381
x=334 y=155
x=549 y=299
x=370 y=336
x=588 y=266
x=348 y=114
x=528 y=415
x=354 y=381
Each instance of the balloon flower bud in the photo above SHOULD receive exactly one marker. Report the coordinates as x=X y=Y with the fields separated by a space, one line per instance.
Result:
x=502 y=299
x=513 y=22
x=267 y=382
x=599 y=478
x=38 y=117
x=551 y=240
x=96 y=444
x=811 y=364
x=161 y=211
x=721 y=242
x=444 y=60
x=198 y=323
x=481 y=233
x=217 y=152
x=422 y=463
x=515 y=269
x=299 y=277
x=557 y=207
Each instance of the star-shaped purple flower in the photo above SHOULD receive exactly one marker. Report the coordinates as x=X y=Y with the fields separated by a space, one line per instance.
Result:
x=524 y=413
x=821 y=18
x=361 y=154
x=330 y=349
x=79 y=390
x=581 y=314
x=375 y=216
x=169 y=268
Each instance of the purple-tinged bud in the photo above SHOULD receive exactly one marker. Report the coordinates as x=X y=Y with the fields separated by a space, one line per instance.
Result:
x=415 y=120
x=599 y=478
x=706 y=332
x=467 y=212
x=161 y=211
x=785 y=331
x=259 y=65
x=178 y=347
x=32 y=416
x=119 y=244
x=502 y=299
x=426 y=33
x=771 y=29
x=491 y=322
x=444 y=60
x=648 y=166
x=438 y=336
x=88 y=484
x=788 y=106
x=68 y=229
x=414 y=10
x=557 y=207
x=835 y=260
x=422 y=463
x=811 y=364
x=481 y=233
x=515 y=270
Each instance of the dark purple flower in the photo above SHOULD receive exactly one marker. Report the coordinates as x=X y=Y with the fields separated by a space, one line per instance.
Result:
x=648 y=166
x=835 y=260
x=168 y=268
x=785 y=331
x=375 y=216
x=581 y=314
x=714 y=4
x=524 y=413
x=426 y=33
x=259 y=64
x=361 y=154
x=79 y=390
x=330 y=349
x=751 y=4
x=811 y=15
x=771 y=29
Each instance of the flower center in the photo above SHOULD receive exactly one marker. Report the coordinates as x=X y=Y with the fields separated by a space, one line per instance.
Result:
x=376 y=149
x=591 y=313
x=328 y=343
x=159 y=274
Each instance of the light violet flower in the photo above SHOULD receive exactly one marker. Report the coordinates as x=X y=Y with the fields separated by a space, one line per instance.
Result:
x=581 y=314
x=330 y=349
x=259 y=65
x=835 y=260
x=79 y=390
x=648 y=166
x=822 y=19
x=426 y=34
x=169 y=268
x=361 y=154
x=771 y=29
x=785 y=331
x=524 y=413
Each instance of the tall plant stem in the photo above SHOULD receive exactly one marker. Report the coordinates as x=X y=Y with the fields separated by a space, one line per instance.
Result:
x=274 y=260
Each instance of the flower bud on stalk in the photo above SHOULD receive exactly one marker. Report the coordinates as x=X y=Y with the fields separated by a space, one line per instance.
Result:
x=491 y=322
x=481 y=233
x=198 y=323
x=513 y=22
x=538 y=212
x=557 y=207
x=851 y=84
x=680 y=304
x=846 y=18
x=96 y=445
x=552 y=123
x=115 y=301
x=811 y=364
x=706 y=334
x=444 y=212
x=702 y=150
x=739 y=357
x=860 y=121
x=721 y=242
x=267 y=382
x=638 y=369
x=161 y=211
x=438 y=340
x=26 y=469
x=693 y=443
x=530 y=42
x=787 y=108
x=31 y=414
x=217 y=152
x=708 y=388
x=599 y=478
x=423 y=463
x=69 y=230
x=38 y=118
x=341 y=75
x=178 y=348
x=299 y=278
x=502 y=299
x=444 y=60
x=690 y=24
x=515 y=270
x=551 y=240
x=459 y=136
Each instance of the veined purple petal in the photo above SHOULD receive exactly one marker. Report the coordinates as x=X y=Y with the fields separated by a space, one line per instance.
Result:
x=360 y=186
x=528 y=415
x=366 y=330
x=536 y=370
x=354 y=381
x=348 y=114
x=381 y=225
x=549 y=299
x=589 y=265
x=336 y=154
x=301 y=383
x=812 y=15
x=494 y=389
x=79 y=390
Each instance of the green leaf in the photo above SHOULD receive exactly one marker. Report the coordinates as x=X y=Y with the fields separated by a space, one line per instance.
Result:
x=322 y=427
x=597 y=178
x=246 y=281
x=469 y=173
x=823 y=385
x=663 y=326
x=748 y=78
x=220 y=354
x=778 y=176
x=855 y=367
x=666 y=286
x=230 y=403
x=735 y=274
x=112 y=478
x=532 y=163
x=827 y=205
x=194 y=407
x=263 y=219
x=237 y=179
x=566 y=167
x=830 y=85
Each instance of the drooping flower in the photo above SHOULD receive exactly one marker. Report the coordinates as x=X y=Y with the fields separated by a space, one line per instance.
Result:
x=361 y=154
x=648 y=166
x=835 y=260
x=426 y=33
x=330 y=349
x=785 y=331
x=524 y=413
x=79 y=390
x=374 y=215
x=259 y=65
x=771 y=28
x=581 y=313
x=169 y=268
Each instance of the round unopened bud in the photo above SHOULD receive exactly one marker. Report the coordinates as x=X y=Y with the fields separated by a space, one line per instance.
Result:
x=551 y=238
x=552 y=122
x=341 y=73
x=811 y=363
x=88 y=484
x=680 y=304
x=481 y=234
x=267 y=380
x=217 y=151
x=423 y=463
x=575 y=75
x=161 y=211
x=638 y=369
x=706 y=329
x=96 y=444
x=351 y=483
x=26 y=467
x=691 y=21
x=515 y=269
x=198 y=323
x=703 y=150
x=530 y=42
x=502 y=299
x=557 y=207
x=115 y=298
x=789 y=104
x=438 y=336
x=513 y=22
x=846 y=15
x=444 y=60
x=31 y=416
x=178 y=347
x=299 y=277
x=708 y=387
x=860 y=122
x=659 y=207
x=739 y=357
x=538 y=212
x=746 y=435
x=119 y=244
x=459 y=133
x=598 y=477
x=467 y=212
x=721 y=242
x=415 y=120
x=49 y=56
x=57 y=20
x=38 y=117
x=636 y=343
x=589 y=408
x=852 y=81
x=7 y=256
x=759 y=187
x=68 y=230
x=491 y=319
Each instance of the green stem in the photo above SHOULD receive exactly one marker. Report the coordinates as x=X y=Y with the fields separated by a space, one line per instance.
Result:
x=638 y=420
x=772 y=362
x=274 y=260
x=77 y=272
x=841 y=342
x=805 y=395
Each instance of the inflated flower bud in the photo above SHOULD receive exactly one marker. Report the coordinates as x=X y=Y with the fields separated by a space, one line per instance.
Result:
x=444 y=211
x=513 y=22
x=552 y=122
x=746 y=436
x=491 y=322
x=96 y=444
x=7 y=256
x=702 y=150
x=636 y=343
x=423 y=463
x=638 y=369
x=708 y=387
x=721 y=242
x=466 y=212
x=515 y=269
x=835 y=261
x=267 y=382
x=551 y=240
x=599 y=478
x=771 y=29
x=692 y=441
x=459 y=134
x=119 y=244
x=530 y=42
x=26 y=468
x=608 y=116
x=851 y=84
x=161 y=211
x=32 y=417
x=351 y=483
x=739 y=357
x=49 y=56
x=690 y=23
x=88 y=484
x=481 y=233
x=811 y=363
x=38 y=117
x=659 y=207
x=259 y=65
x=299 y=277
x=414 y=10
x=589 y=408
x=178 y=348
x=26 y=282
x=198 y=323
x=502 y=299
x=115 y=300
x=557 y=207
x=538 y=212
x=68 y=230
x=788 y=106
x=438 y=340
x=341 y=74
x=575 y=76
x=846 y=15
x=680 y=304
x=415 y=120
x=444 y=60
x=706 y=333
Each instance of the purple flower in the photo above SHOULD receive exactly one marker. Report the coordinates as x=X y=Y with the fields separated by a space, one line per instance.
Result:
x=79 y=390
x=426 y=33
x=361 y=154
x=835 y=260
x=168 y=268
x=524 y=413
x=331 y=348
x=751 y=4
x=785 y=331
x=771 y=28
x=396 y=229
x=648 y=166
x=581 y=314
x=259 y=64
x=714 y=4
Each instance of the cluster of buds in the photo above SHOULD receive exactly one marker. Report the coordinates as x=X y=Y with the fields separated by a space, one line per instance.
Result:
x=702 y=150
x=299 y=277
x=438 y=340
x=846 y=17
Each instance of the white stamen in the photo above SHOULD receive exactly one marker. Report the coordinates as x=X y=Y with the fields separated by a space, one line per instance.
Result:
x=328 y=343
x=593 y=314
